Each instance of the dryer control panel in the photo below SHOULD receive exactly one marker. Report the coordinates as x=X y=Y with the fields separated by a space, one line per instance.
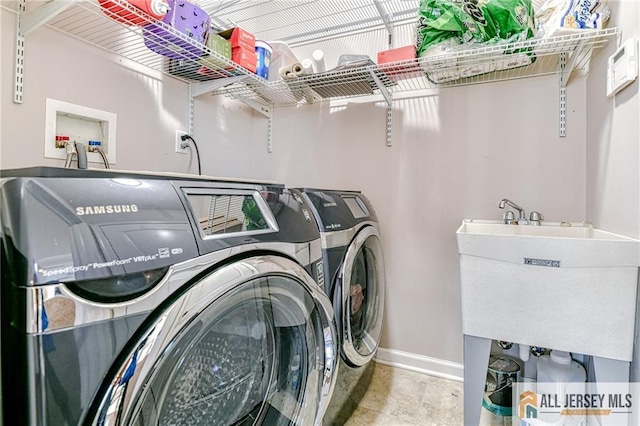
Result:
x=76 y=229
x=339 y=210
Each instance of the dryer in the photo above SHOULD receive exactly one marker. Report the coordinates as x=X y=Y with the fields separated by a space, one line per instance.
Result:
x=137 y=299
x=352 y=275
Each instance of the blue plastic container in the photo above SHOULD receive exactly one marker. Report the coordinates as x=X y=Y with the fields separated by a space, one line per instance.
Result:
x=263 y=54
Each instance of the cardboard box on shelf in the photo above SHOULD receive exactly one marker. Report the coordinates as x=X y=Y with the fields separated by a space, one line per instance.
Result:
x=245 y=58
x=219 y=45
x=239 y=37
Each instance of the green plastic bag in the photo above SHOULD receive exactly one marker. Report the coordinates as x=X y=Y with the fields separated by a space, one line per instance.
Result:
x=514 y=19
x=473 y=21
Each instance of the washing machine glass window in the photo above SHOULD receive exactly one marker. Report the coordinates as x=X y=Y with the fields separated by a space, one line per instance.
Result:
x=363 y=288
x=260 y=352
x=230 y=212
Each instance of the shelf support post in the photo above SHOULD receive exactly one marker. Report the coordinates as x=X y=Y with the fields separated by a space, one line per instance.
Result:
x=191 y=111
x=388 y=97
x=389 y=124
x=27 y=22
x=270 y=132
x=565 y=67
x=386 y=19
x=562 y=63
x=18 y=70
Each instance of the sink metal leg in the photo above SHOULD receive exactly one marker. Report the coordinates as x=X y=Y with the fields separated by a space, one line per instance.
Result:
x=610 y=370
x=476 y=360
x=606 y=372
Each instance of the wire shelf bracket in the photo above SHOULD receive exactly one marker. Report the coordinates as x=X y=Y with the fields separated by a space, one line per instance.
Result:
x=34 y=19
x=255 y=105
x=263 y=109
x=198 y=89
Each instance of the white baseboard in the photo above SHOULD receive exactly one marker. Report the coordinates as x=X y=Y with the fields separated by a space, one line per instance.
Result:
x=420 y=364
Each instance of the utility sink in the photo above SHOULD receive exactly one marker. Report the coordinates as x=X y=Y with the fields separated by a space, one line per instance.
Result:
x=566 y=286
x=571 y=244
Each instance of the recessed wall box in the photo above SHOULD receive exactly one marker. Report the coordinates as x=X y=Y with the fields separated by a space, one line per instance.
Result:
x=78 y=123
x=622 y=68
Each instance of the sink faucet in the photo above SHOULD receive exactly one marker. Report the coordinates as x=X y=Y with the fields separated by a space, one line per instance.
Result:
x=522 y=220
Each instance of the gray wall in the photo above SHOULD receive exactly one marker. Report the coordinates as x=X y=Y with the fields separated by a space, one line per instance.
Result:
x=455 y=155
x=613 y=149
x=613 y=139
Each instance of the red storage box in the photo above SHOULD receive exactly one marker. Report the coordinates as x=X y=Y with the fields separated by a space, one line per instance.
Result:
x=245 y=58
x=395 y=55
x=395 y=72
x=239 y=38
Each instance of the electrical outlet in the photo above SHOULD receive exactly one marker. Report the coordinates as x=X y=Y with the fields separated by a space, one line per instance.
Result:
x=179 y=142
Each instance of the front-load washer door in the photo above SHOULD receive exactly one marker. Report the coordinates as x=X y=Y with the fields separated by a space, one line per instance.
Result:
x=362 y=282
x=251 y=343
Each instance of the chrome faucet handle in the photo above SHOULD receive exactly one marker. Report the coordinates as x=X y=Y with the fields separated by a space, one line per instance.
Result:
x=521 y=216
x=535 y=218
x=509 y=218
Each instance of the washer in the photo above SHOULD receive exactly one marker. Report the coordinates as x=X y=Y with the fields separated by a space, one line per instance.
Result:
x=138 y=299
x=352 y=275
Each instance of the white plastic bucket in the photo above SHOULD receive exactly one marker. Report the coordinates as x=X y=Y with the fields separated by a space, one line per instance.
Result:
x=281 y=56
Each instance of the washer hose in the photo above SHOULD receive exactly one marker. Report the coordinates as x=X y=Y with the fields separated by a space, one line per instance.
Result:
x=71 y=151
x=104 y=157
x=81 y=151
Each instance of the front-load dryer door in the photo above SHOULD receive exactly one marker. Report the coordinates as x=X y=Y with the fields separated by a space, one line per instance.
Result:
x=361 y=289
x=251 y=343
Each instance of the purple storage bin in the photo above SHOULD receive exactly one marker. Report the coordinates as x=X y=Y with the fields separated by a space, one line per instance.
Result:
x=185 y=18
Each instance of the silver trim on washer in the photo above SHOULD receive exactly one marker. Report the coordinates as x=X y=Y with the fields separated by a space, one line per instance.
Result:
x=121 y=398
x=371 y=342
x=71 y=310
x=315 y=251
x=343 y=237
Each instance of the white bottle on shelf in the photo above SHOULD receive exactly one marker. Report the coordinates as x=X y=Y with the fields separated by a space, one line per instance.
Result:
x=318 y=60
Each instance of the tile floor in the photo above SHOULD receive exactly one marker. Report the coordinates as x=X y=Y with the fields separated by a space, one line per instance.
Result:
x=399 y=397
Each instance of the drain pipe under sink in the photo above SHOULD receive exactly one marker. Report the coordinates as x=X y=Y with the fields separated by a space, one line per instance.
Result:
x=524 y=352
